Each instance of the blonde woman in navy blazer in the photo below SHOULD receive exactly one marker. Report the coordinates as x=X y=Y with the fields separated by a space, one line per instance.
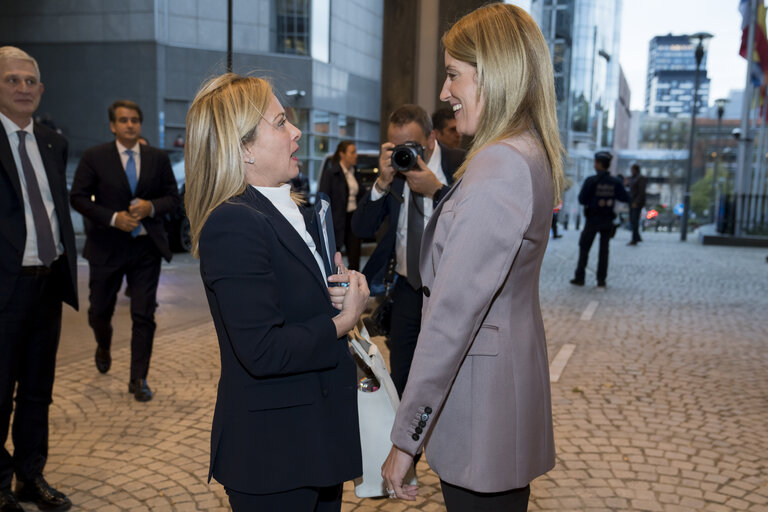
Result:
x=285 y=428
x=478 y=392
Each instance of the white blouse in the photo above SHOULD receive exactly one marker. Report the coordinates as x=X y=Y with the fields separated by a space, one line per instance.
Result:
x=280 y=197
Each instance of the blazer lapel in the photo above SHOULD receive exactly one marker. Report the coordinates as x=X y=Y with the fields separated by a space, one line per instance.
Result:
x=145 y=173
x=54 y=175
x=6 y=161
x=287 y=234
x=429 y=232
x=117 y=164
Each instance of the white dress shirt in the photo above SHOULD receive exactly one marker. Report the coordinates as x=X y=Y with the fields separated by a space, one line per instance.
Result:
x=280 y=197
x=352 y=186
x=435 y=165
x=30 y=258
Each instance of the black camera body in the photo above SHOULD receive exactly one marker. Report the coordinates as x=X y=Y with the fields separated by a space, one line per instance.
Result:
x=405 y=156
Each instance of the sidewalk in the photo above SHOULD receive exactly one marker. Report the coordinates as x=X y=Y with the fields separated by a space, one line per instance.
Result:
x=662 y=406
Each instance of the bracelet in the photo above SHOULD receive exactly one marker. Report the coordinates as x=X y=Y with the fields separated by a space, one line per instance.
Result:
x=380 y=188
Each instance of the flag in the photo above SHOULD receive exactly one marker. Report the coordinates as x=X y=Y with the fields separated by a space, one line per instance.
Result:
x=760 y=54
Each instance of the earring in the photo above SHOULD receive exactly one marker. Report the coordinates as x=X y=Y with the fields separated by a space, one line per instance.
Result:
x=250 y=160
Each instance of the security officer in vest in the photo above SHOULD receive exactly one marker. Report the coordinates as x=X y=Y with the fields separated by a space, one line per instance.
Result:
x=598 y=195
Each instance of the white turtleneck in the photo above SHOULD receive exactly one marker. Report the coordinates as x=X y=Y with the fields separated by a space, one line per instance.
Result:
x=280 y=197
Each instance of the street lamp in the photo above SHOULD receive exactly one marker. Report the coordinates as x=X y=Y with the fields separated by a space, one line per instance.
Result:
x=703 y=39
x=720 y=104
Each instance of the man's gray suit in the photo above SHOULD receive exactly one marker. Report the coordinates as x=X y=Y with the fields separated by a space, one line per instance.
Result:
x=478 y=392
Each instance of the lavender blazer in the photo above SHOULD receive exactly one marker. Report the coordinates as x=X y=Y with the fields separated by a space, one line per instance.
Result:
x=478 y=392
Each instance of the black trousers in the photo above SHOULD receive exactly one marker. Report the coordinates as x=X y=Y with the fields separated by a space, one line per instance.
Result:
x=406 y=323
x=352 y=244
x=30 y=325
x=591 y=229
x=459 y=499
x=141 y=268
x=634 y=221
x=305 y=499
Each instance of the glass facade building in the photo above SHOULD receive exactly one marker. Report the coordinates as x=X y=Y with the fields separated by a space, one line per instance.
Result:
x=583 y=37
x=323 y=58
x=671 y=77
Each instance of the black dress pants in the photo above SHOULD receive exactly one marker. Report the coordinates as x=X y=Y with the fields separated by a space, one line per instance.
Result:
x=634 y=221
x=591 y=229
x=141 y=268
x=459 y=499
x=30 y=325
x=406 y=323
x=304 y=499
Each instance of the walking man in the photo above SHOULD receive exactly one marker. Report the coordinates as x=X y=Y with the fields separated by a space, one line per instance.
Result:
x=637 y=183
x=124 y=188
x=598 y=195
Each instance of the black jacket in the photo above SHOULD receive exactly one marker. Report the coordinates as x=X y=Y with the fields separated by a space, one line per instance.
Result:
x=286 y=410
x=13 y=230
x=599 y=195
x=100 y=174
x=370 y=215
x=334 y=184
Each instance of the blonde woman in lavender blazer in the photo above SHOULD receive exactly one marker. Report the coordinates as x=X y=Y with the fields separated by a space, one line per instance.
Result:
x=478 y=395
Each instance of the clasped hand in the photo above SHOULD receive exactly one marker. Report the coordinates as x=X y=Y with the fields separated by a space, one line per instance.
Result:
x=351 y=300
x=128 y=220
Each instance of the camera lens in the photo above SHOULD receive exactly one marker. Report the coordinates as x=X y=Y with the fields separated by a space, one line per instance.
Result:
x=403 y=158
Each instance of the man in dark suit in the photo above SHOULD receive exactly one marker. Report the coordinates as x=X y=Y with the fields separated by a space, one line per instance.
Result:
x=637 y=183
x=37 y=273
x=123 y=188
x=407 y=200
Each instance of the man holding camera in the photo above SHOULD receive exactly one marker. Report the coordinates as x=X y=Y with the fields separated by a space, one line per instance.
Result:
x=415 y=172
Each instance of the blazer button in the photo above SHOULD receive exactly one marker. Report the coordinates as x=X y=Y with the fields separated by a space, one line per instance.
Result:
x=419 y=430
x=422 y=423
x=415 y=437
x=428 y=410
x=424 y=417
x=426 y=291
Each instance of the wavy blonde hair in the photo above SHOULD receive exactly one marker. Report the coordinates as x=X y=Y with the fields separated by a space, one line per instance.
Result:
x=223 y=117
x=515 y=78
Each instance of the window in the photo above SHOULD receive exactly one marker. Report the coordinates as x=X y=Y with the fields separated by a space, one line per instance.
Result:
x=292 y=26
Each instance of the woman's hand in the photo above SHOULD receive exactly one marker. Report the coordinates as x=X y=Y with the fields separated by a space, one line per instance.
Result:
x=394 y=470
x=341 y=277
x=354 y=301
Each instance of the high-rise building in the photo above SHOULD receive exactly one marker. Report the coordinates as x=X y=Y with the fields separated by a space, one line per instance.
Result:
x=323 y=58
x=671 y=76
x=583 y=37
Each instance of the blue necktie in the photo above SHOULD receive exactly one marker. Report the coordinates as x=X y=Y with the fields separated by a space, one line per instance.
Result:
x=130 y=173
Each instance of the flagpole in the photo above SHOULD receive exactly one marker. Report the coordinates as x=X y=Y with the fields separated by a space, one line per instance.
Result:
x=745 y=141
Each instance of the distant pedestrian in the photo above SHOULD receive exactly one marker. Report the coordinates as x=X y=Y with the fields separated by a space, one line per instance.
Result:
x=555 y=215
x=637 y=183
x=598 y=195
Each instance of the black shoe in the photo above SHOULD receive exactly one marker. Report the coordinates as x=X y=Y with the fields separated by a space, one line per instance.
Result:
x=633 y=242
x=8 y=502
x=41 y=494
x=103 y=359
x=601 y=284
x=577 y=282
x=140 y=390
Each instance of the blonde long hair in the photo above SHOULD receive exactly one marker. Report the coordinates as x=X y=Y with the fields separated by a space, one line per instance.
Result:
x=223 y=116
x=515 y=77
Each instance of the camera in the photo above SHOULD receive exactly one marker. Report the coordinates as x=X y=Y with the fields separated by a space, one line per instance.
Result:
x=404 y=156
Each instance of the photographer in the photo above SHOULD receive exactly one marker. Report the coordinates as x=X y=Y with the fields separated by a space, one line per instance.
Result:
x=407 y=198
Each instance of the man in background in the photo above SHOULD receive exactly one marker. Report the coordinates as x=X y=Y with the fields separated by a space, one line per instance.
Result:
x=444 y=124
x=637 y=183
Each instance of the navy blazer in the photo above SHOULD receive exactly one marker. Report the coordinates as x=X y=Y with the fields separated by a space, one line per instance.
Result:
x=286 y=410
x=13 y=229
x=100 y=174
x=370 y=215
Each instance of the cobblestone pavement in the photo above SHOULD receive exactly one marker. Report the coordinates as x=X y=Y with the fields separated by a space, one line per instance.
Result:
x=663 y=405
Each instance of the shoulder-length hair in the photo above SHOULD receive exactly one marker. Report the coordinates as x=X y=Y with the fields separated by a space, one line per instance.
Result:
x=341 y=148
x=223 y=117
x=515 y=78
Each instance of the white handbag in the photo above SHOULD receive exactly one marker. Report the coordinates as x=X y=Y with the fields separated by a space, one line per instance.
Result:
x=376 y=410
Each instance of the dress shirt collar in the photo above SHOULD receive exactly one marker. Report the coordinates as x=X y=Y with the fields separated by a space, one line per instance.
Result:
x=11 y=127
x=122 y=149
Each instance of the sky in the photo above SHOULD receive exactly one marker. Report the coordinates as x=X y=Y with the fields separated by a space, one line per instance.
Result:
x=644 y=19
